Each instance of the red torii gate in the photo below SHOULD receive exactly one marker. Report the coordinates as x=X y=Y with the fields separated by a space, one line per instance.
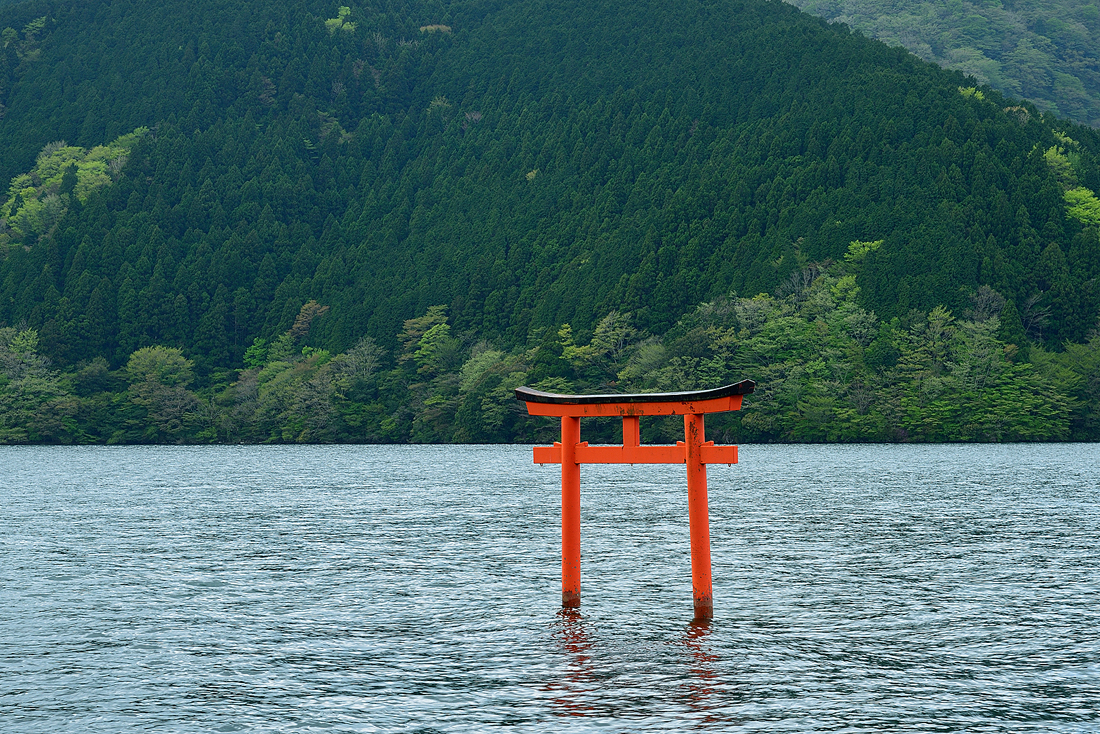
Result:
x=693 y=451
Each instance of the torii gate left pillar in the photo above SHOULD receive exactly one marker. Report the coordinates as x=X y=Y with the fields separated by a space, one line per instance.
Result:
x=694 y=451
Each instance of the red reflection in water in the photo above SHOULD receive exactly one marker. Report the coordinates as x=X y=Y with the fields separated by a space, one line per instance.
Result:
x=702 y=685
x=578 y=677
x=574 y=693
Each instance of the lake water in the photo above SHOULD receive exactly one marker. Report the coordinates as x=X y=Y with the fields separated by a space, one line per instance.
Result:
x=411 y=588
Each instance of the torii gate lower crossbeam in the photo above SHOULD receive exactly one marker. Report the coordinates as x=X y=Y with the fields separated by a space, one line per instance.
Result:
x=694 y=451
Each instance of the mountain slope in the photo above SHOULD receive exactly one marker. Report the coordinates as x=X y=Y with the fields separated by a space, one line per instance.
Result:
x=1045 y=52
x=527 y=163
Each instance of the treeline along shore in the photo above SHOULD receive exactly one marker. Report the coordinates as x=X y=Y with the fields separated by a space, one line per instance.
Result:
x=826 y=370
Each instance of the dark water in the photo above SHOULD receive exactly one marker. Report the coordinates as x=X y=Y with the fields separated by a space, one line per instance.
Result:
x=885 y=588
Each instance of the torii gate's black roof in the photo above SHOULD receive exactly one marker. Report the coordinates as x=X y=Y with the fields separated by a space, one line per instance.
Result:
x=530 y=395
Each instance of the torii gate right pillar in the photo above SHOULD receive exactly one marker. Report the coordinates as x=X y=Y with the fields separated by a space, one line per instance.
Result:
x=698 y=517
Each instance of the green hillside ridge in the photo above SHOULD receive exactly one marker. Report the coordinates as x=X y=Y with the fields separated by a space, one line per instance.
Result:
x=1046 y=52
x=539 y=170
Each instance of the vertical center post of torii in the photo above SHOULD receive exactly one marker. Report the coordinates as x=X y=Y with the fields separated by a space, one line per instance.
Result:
x=694 y=452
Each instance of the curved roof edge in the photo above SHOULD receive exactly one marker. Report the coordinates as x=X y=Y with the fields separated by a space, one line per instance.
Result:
x=530 y=395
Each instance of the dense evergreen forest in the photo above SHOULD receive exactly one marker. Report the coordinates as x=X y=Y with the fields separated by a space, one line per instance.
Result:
x=1048 y=52
x=255 y=221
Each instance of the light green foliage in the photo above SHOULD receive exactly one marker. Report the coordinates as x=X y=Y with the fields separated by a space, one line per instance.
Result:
x=163 y=366
x=414 y=329
x=437 y=351
x=282 y=349
x=271 y=370
x=302 y=397
x=481 y=361
x=340 y=22
x=827 y=370
x=37 y=200
x=91 y=175
x=32 y=29
x=159 y=378
x=1064 y=139
x=1065 y=164
x=291 y=393
x=972 y=92
x=1076 y=373
x=51 y=163
x=256 y=354
x=22 y=344
x=35 y=405
x=858 y=250
x=1083 y=206
x=1060 y=166
x=295 y=401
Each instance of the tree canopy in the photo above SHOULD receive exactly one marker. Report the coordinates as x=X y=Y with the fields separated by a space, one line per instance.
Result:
x=527 y=166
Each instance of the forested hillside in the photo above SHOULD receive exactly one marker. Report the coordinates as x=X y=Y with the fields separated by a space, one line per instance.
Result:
x=1046 y=52
x=370 y=213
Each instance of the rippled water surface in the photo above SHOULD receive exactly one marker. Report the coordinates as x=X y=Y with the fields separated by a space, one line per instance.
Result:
x=367 y=588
